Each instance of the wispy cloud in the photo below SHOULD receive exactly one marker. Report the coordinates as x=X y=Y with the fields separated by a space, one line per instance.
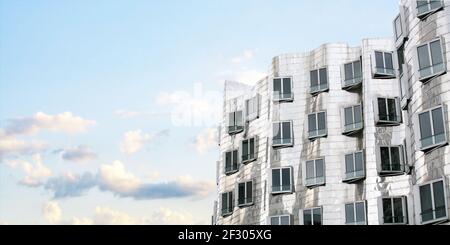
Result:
x=35 y=173
x=205 y=141
x=52 y=212
x=77 y=154
x=133 y=141
x=70 y=185
x=11 y=147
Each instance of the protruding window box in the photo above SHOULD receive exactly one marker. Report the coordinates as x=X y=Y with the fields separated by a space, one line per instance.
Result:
x=430 y=129
x=356 y=213
x=390 y=160
x=227 y=204
x=314 y=173
x=281 y=180
x=426 y=8
x=245 y=194
x=404 y=88
x=282 y=89
x=280 y=220
x=430 y=60
x=311 y=216
x=387 y=112
x=249 y=150
x=352 y=120
x=231 y=162
x=319 y=81
x=235 y=122
x=383 y=65
x=352 y=73
x=433 y=202
x=400 y=29
x=317 y=125
x=282 y=134
x=354 y=167
x=252 y=107
x=393 y=210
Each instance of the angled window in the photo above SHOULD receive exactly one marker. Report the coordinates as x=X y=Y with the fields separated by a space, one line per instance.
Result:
x=249 y=150
x=317 y=125
x=319 y=81
x=245 y=193
x=387 y=112
x=227 y=203
x=282 y=134
x=282 y=89
x=398 y=28
x=384 y=65
x=431 y=61
x=430 y=129
x=355 y=213
x=352 y=120
x=231 y=162
x=403 y=78
x=314 y=172
x=282 y=180
x=391 y=160
x=252 y=108
x=354 y=167
x=428 y=7
x=433 y=203
x=235 y=122
x=352 y=75
x=280 y=220
x=394 y=211
x=311 y=216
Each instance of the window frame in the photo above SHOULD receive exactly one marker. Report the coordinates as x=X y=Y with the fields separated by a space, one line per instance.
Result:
x=246 y=203
x=403 y=37
x=418 y=133
x=269 y=219
x=255 y=150
x=276 y=98
x=355 y=178
x=398 y=111
x=317 y=136
x=254 y=114
x=356 y=81
x=431 y=182
x=376 y=74
x=354 y=130
x=302 y=215
x=430 y=11
x=416 y=59
x=317 y=181
x=236 y=127
x=230 y=209
x=387 y=173
x=404 y=209
x=291 y=180
x=354 y=213
x=283 y=144
x=232 y=171
x=319 y=81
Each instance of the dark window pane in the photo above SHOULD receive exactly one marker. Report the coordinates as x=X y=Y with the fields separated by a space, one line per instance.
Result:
x=235 y=158
x=323 y=76
x=349 y=166
x=387 y=211
x=314 y=78
x=310 y=169
x=319 y=168
x=359 y=163
x=307 y=217
x=392 y=116
x=398 y=210
x=439 y=199
x=358 y=114
x=379 y=60
x=398 y=27
x=425 y=125
x=385 y=163
x=277 y=84
x=401 y=59
x=438 y=123
x=239 y=121
x=360 y=212
x=424 y=59
x=434 y=4
x=321 y=117
x=348 y=116
x=286 y=86
x=348 y=71
x=317 y=216
x=286 y=130
x=286 y=178
x=245 y=150
x=252 y=147
x=388 y=61
x=274 y=221
x=276 y=182
x=241 y=193
x=421 y=3
x=395 y=158
x=382 y=111
x=224 y=201
x=425 y=203
x=231 y=119
x=277 y=131
x=312 y=122
x=230 y=201
x=349 y=213
x=357 y=67
x=228 y=160
x=285 y=220
x=249 y=191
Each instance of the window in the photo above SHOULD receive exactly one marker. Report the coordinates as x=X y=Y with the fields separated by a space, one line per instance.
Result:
x=431 y=61
x=391 y=160
x=398 y=29
x=394 y=210
x=245 y=193
x=252 y=108
x=231 y=162
x=387 y=112
x=384 y=66
x=433 y=202
x=311 y=216
x=249 y=150
x=282 y=89
x=403 y=78
x=352 y=74
x=281 y=180
x=227 y=203
x=352 y=119
x=317 y=125
x=354 y=167
x=282 y=134
x=355 y=213
x=235 y=122
x=314 y=172
x=431 y=129
x=427 y=7
x=280 y=220
x=319 y=81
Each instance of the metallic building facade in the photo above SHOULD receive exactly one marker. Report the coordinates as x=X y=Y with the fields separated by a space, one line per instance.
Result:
x=343 y=135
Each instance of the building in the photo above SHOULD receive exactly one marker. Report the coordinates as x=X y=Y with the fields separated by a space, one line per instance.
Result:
x=343 y=135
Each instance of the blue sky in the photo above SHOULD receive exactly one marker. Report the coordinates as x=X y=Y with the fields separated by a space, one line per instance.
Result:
x=90 y=95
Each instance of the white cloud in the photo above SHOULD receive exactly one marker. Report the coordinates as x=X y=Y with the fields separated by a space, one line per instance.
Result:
x=247 y=55
x=10 y=146
x=34 y=174
x=133 y=141
x=115 y=178
x=65 y=122
x=108 y=216
x=52 y=212
x=78 y=154
x=197 y=189
x=153 y=176
x=167 y=216
x=81 y=221
x=205 y=141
